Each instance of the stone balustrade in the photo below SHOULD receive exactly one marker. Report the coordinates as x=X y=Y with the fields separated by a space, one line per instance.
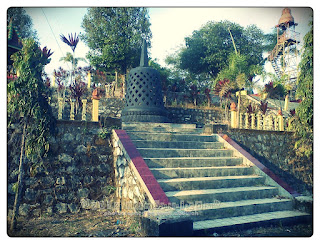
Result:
x=69 y=109
x=259 y=121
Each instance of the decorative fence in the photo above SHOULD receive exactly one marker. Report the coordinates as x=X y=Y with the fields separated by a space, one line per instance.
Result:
x=258 y=121
x=70 y=109
x=263 y=122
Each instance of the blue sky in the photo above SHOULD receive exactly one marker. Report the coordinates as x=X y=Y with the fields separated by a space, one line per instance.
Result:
x=169 y=26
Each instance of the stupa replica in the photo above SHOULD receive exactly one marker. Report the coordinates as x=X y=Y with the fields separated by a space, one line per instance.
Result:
x=144 y=100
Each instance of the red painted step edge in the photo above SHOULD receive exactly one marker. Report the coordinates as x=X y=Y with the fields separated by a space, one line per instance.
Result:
x=257 y=163
x=146 y=175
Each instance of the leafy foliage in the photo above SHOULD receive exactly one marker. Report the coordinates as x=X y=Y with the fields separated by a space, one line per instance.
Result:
x=223 y=88
x=78 y=89
x=71 y=59
x=22 y=21
x=275 y=90
x=239 y=72
x=72 y=42
x=114 y=36
x=303 y=123
x=263 y=107
x=28 y=98
x=208 y=49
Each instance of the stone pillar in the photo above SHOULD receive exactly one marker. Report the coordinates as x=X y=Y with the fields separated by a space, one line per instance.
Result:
x=253 y=121
x=72 y=101
x=84 y=109
x=259 y=121
x=265 y=122
x=240 y=121
x=89 y=79
x=60 y=107
x=286 y=103
x=247 y=121
x=281 y=122
x=53 y=83
x=95 y=105
x=233 y=110
x=95 y=110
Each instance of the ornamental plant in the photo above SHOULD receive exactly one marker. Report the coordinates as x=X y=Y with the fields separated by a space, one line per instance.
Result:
x=207 y=93
x=28 y=106
x=194 y=92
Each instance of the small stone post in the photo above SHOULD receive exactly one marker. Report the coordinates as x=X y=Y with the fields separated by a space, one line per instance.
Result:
x=72 y=101
x=265 y=122
x=84 y=109
x=95 y=105
x=240 y=121
x=95 y=110
x=281 y=122
x=253 y=121
x=233 y=109
x=89 y=79
x=60 y=108
x=259 y=121
x=246 y=121
x=286 y=103
x=53 y=83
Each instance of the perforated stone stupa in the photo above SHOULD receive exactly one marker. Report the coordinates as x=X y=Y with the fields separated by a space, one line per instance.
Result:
x=144 y=100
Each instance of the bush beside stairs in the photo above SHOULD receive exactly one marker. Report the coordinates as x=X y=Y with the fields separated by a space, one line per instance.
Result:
x=198 y=173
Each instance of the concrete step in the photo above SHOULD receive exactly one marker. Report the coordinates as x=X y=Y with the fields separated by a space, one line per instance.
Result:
x=149 y=125
x=181 y=162
x=165 y=130
x=238 y=208
x=177 y=144
x=178 y=152
x=167 y=173
x=173 y=136
x=222 y=194
x=198 y=183
x=249 y=220
x=162 y=127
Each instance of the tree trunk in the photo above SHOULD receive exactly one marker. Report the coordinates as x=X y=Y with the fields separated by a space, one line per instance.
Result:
x=20 y=182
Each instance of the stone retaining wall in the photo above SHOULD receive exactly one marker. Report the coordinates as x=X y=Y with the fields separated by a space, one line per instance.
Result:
x=130 y=195
x=76 y=175
x=112 y=107
x=194 y=116
x=272 y=149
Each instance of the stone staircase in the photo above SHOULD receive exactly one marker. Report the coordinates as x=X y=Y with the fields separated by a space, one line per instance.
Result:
x=198 y=174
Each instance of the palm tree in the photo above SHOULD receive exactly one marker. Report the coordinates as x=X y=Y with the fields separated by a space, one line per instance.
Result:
x=74 y=61
x=72 y=42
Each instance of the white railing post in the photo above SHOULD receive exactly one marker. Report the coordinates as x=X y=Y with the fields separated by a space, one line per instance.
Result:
x=60 y=107
x=281 y=122
x=240 y=121
x=265 y=121
x=233 y=116
x=246 y=120
x=72 y=101
x=84 y=109
x=253 y=121
x=259 y=121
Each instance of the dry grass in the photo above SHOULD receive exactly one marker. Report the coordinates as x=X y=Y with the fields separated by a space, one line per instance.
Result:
x=87 y=224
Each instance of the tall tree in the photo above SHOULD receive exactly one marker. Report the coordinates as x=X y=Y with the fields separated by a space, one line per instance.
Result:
x=208 y=49
x=304 y=122
x=28 y=105
x=114 y=36
x=22 y=21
